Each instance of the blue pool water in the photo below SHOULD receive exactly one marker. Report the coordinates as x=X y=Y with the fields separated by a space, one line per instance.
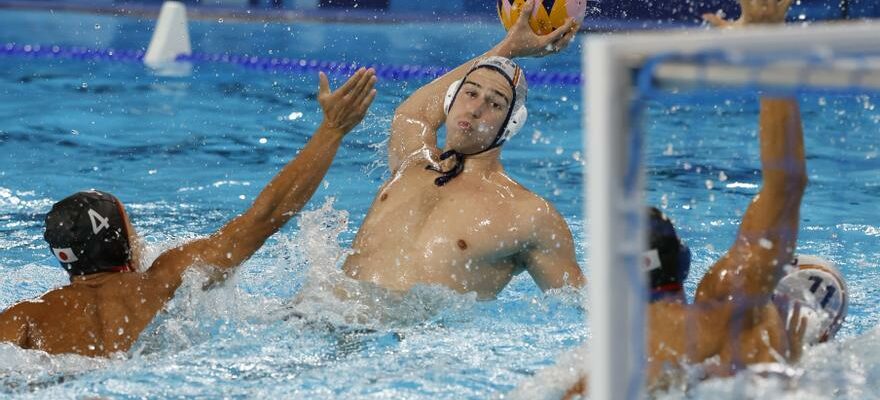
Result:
x=185 y=154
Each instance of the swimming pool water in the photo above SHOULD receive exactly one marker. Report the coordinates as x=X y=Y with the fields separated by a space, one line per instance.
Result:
x=185 y=154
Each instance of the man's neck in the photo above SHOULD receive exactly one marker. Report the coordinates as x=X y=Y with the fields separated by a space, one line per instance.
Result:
x=481 y=164
x=98 y=277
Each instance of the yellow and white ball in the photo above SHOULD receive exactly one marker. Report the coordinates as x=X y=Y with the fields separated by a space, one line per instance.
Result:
x=546 y=16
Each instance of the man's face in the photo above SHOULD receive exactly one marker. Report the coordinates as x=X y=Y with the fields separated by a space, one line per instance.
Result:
x=478 y=111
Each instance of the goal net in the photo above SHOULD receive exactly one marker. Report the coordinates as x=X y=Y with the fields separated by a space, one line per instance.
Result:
x=634 y=82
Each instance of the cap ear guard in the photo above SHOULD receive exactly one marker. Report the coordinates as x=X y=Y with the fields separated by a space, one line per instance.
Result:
x=450 y=95
x=517 y=118
x=517 y=121
x=820 y=289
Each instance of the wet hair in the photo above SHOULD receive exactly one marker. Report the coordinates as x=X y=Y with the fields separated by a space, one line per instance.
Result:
x=87 y=233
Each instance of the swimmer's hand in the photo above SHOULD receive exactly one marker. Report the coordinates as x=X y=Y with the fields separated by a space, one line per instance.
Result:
x=796 y=327
x=345 y=107
x=753 y=12
x=521 y=41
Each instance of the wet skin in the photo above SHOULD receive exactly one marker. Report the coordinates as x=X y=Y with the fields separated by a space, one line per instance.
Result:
x=473 y=234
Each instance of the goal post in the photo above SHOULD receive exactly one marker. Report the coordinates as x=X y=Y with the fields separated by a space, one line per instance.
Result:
x=779 y=58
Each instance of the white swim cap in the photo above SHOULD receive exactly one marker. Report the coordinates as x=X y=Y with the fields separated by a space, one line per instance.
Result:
x=817 y=285
x=517 y=114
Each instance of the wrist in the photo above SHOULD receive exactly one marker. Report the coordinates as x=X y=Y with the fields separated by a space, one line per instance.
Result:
x=332 y=130
x=503 y=49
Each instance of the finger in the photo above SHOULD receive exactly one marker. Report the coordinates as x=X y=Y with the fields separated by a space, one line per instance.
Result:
x=351 y=82
x=323 y=84
x=553 y=37
x=525 y=12
x=568 y=37
x=364 y=85
x=785 y=4
x=365 y=103
x=714 y=20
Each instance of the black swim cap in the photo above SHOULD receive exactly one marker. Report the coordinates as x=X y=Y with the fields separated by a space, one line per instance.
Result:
x=668 y=260
x=87 y=233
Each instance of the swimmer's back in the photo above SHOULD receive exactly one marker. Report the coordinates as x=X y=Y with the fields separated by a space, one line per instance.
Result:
x=694 y=333
x=95 y=318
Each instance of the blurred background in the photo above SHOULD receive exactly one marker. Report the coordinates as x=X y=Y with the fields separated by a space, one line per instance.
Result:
x=601 y=15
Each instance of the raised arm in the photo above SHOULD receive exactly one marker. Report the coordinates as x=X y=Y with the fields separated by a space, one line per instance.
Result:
x=767 y=236
x=550 y=259
x=416 y=120
x=283 y=197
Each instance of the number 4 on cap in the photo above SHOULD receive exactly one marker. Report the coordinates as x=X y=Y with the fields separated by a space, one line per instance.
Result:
x=96 y=218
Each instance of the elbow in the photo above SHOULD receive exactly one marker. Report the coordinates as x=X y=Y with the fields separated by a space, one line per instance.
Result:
x=796 y=183
x=789 y=184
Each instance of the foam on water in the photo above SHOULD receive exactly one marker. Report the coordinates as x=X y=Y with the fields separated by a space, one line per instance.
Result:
x=842 y=369
x=278 y=327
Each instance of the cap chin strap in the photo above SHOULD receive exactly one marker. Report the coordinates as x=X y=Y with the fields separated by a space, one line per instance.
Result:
x=512 y=124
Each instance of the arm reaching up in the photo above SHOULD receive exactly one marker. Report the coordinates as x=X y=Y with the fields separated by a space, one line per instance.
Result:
x=416 y=120
x=283 y=197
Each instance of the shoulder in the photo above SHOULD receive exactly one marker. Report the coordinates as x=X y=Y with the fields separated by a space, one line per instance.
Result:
x=539 y=212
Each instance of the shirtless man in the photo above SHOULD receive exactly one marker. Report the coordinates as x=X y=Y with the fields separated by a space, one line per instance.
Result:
x=733 y=319
x=453 y=217
x=109 y=301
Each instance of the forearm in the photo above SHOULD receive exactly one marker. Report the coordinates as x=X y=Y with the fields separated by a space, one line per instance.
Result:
x=773 y=218
x=294 y=185
x=782 y=145
x=427 y=102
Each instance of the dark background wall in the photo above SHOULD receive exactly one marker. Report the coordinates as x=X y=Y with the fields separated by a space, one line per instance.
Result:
x=624 y=11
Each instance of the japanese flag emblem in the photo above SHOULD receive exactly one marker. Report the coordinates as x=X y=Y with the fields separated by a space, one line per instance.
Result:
x=651 y=260
x=65 y=255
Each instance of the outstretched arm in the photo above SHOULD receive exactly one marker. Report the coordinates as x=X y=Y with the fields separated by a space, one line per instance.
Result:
x=767 y=236
x=416 y=120
x=283 y=197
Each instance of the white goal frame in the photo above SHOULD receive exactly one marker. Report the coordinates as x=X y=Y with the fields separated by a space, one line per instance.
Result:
x=616 y=309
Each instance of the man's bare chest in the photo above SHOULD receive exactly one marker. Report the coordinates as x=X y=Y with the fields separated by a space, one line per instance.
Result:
x=464 y=220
